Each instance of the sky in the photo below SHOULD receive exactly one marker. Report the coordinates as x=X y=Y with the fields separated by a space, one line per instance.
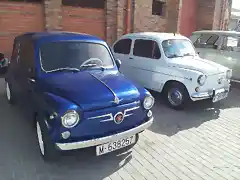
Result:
x=236 y=4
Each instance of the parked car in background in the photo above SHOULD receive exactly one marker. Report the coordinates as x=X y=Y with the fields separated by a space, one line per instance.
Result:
x=222 y=47
x=72 y=85
x=168 y=63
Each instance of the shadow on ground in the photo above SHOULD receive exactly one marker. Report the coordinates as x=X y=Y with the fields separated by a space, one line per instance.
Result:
x=169 y=122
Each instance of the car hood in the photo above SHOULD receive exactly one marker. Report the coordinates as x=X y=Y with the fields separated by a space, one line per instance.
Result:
x=91 y=90
x=198 y=64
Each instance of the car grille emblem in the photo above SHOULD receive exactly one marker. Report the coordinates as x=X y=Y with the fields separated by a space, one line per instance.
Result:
x=118 y=118
x=116 y=100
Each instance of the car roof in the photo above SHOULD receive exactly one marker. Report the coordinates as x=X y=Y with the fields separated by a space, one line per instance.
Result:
x=58 y=36
x=234 y=33
x=154 y=35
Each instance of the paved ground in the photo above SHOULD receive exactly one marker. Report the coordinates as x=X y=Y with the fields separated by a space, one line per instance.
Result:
x=202 y=142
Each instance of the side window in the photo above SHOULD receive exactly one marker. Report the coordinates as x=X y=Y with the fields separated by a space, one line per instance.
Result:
x=230 y=44
x=123 y=46
x=207 y=41
x=15 y=53
x=26 y=58
x=146 y=48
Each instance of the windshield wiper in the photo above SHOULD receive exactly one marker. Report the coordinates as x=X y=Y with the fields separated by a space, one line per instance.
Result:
x=188 y=54
x=65 y=69
x=174 y=56
x=91 y=65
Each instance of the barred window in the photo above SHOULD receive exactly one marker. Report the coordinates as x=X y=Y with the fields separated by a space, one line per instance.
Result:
x=158 y=7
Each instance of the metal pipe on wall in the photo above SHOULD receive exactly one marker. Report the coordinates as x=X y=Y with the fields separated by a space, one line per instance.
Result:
x=128 y=17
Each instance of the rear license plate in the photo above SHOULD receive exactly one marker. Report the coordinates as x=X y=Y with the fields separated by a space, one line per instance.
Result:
x=220 y=96
x=115 y=145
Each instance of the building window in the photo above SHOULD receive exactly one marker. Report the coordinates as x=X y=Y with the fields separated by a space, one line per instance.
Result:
x=96 y=4
x=158 y=7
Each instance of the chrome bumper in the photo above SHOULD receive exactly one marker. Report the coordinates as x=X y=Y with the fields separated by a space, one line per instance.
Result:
x=206 y=95
x=103 y=140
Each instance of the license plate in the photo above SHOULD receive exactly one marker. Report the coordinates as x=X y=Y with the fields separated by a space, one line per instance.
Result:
x=220 y=96
x=115 y=145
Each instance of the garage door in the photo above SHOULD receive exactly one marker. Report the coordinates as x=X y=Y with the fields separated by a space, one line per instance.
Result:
x=17 y=18
x=85 y=16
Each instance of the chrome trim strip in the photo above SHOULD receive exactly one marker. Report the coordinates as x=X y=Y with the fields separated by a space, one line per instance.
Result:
x=110 y=115
x=206 y=95
x=103 y=140
x=105 y=115
x=116 y=99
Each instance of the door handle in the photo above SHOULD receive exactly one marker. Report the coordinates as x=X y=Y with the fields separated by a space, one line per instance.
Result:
x=31 y=80
x=130 y=57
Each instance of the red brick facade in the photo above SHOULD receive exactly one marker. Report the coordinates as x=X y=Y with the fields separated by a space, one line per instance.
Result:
x=110 y=22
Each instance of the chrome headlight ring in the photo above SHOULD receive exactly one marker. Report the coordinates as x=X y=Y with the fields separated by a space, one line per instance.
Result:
x=201 y=79
x=70 y=119
x=148 y=102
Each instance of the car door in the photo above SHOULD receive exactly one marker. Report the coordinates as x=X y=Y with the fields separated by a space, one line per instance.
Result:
x=229 y=53
x=206 y=46
x=121 y=50
x=14 y=70
x=145 y=59
x=27 y=73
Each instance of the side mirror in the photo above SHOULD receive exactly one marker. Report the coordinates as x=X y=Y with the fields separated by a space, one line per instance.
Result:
x=4 y=62
x=118 y=62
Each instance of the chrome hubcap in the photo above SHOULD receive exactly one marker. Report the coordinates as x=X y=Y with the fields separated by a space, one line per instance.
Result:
x=175 y=97
x=8 y=92
x=40 y=140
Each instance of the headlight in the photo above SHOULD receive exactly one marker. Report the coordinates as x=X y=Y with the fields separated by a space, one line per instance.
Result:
x=202 y=79
x=229 y=74
x=148 y=102
x=70 y=119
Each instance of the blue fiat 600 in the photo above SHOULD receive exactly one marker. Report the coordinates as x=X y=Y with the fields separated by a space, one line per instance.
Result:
x=71 y=84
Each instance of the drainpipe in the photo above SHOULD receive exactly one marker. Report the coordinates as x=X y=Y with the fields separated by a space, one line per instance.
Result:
x=128 y=17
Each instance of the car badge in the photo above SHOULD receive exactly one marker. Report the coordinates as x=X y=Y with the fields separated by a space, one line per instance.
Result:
x=116 y=100
x=118 y=118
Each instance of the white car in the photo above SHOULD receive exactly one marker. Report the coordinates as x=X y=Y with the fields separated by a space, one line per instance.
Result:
x=222 y=47
x=168 y=63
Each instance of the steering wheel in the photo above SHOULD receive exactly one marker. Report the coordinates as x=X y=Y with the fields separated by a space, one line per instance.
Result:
x=91 y=59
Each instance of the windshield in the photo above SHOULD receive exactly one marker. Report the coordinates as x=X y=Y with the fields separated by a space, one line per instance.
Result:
x=74 y=55
x=178 y=48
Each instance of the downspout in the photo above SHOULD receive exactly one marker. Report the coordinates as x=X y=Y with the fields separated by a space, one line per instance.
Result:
x=128 y=17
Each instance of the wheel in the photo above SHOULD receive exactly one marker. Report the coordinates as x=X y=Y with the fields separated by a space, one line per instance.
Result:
x=177 y=96
x=9 y=94
x=46 y=147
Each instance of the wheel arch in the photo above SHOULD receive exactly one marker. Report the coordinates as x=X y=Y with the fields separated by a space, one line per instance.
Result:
x=169 y=82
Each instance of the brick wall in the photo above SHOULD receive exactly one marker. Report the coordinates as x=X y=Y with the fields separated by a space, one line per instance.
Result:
x=144 y=20
x=17 y=18
x=205 y=14
x=53 y=14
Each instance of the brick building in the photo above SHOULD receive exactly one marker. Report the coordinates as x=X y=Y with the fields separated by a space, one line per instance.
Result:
x=108 y=19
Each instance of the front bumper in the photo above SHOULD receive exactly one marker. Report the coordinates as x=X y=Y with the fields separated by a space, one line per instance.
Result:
x=103 y=140
x=206 y=95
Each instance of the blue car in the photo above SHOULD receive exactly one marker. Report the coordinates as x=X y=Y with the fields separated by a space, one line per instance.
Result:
x=71 y=84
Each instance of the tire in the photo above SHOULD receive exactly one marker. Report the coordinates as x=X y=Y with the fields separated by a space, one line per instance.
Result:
x=46 y=147
x=9 y=93
x=176 y=96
